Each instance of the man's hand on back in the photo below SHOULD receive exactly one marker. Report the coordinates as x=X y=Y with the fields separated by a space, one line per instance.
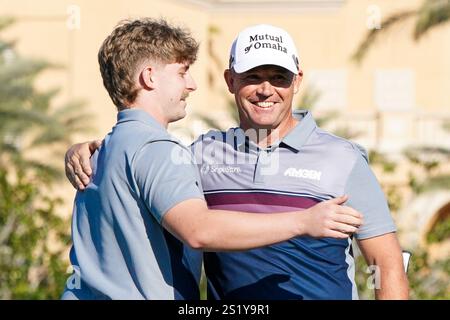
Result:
x=77 y=163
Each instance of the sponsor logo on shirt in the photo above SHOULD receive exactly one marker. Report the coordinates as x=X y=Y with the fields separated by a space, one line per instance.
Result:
x=219 y=169
x=303 y=173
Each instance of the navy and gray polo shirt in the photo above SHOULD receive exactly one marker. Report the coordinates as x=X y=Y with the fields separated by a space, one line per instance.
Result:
x=120 y=250
x=306 y=167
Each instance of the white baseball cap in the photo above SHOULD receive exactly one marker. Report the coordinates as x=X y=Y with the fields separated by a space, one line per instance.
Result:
x=262 y=45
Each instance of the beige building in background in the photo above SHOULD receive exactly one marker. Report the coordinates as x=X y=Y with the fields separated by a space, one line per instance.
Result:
x=397 y=97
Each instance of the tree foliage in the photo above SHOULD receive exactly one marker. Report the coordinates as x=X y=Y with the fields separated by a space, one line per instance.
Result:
x=33 y=131
x=429 y=15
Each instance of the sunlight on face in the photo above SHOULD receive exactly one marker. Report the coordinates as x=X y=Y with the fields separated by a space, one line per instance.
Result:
x=264 y=96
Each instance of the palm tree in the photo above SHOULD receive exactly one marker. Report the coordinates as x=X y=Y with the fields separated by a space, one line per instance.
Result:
x=429 y=15
x=28 y=121
x=32 y=132
x=428 y=160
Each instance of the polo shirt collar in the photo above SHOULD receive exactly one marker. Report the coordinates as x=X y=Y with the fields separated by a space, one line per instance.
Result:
x=298 y=136
x=135 y=114
x=295 y=139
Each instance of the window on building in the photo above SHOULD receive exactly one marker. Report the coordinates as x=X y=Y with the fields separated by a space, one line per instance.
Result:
x=331 y=86
x=394 y=90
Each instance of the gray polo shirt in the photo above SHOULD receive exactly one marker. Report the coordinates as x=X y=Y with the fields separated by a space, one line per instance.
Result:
x=307 y=166
x=120 y=250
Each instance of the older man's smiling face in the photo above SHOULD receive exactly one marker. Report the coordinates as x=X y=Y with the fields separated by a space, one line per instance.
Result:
x=264 y=96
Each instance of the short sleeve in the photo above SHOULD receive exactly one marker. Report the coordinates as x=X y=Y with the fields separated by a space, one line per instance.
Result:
x=165 y=176
x=366 y=196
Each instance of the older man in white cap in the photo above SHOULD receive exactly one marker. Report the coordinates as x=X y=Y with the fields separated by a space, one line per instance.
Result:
x=279 y=160
x=290 y=164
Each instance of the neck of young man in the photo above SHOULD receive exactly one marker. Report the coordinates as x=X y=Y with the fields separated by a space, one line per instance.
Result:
x=268 y=136
x=151 y=108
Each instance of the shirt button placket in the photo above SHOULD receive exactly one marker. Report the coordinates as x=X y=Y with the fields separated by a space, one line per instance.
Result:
x=263 y=158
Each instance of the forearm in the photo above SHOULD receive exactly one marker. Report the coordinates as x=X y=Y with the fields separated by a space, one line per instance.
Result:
x=385 y=254
x=393 y=283
x=221 y=230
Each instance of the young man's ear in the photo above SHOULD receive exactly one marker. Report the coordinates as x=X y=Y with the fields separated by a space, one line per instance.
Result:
x=145 y=78
x=229 y=79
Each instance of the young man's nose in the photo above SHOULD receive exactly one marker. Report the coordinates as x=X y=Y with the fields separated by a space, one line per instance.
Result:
x=190 y=83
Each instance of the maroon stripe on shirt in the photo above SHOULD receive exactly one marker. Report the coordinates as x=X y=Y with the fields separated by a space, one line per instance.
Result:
x=218 y=199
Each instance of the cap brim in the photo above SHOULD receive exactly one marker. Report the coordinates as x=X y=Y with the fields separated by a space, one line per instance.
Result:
x=244 y=66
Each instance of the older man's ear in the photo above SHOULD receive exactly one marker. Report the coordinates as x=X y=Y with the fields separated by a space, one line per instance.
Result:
x=298 y=80
x=228 y=76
